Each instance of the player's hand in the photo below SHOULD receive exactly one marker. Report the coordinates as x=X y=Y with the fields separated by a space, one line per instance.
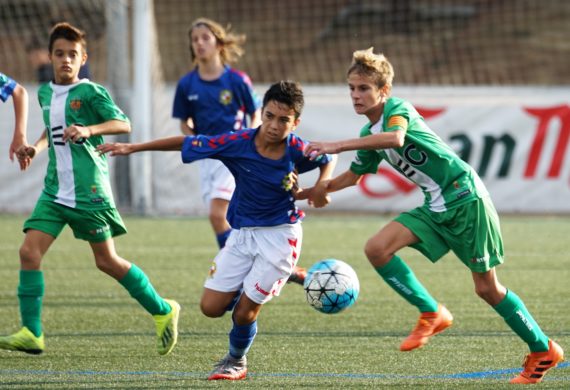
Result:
x=75 y=133
x=318 y=196
x=17 y=143
x=315 y=149
x=25 y=154
x=115 y=149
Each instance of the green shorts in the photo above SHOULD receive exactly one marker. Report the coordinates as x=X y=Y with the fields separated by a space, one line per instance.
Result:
x=472 y=231
x=88 y=225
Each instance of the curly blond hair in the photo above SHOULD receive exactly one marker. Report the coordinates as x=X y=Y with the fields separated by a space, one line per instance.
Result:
x=375 y=66
x=230 y=43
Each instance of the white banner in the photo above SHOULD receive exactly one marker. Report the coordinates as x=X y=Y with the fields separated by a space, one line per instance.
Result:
x=516 y=138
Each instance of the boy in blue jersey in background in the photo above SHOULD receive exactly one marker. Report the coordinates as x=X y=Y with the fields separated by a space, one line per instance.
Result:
x=212 y=99
x=265 y=242
x=9 y=87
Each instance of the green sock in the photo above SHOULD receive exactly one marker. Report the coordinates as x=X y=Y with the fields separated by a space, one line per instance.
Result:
x=137 y=284
x=30 y=294
x=516 y=315
x=402 y=280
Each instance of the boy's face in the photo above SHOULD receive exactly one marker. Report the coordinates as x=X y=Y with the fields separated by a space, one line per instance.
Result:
x=67 y=58
x=204 y=43
x=277 y=122
x=364 y=93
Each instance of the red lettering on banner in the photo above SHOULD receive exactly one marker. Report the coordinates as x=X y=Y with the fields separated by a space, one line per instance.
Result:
x=429 y=112
x=400 y=184
x=545 y=116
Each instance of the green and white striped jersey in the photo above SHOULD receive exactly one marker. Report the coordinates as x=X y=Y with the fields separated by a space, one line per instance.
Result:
x=77 y=176
x=445 y=179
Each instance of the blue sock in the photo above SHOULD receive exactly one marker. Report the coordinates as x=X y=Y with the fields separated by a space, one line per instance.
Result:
x=241 y=338
x=222 y=237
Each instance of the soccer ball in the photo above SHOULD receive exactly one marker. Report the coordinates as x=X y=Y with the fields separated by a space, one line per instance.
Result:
x=331 y=286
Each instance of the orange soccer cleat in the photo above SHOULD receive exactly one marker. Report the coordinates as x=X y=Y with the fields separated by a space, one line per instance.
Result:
x=536 y=364
x=428 y=325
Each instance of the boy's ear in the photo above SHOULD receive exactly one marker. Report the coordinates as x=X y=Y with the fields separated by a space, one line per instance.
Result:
x=296 y=123
x=84 y=59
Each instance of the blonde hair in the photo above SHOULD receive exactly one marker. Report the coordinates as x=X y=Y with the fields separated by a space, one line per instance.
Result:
x=375 y=66
x=230 y=44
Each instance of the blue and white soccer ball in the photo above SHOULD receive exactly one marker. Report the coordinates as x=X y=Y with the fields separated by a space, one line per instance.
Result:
x=331 y=286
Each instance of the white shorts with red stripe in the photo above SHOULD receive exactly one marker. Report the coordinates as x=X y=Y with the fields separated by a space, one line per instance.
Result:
x=216 y=181
x=258 y=259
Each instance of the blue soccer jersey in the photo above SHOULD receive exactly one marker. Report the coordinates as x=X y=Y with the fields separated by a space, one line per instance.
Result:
x=263 y=194
x=7 y=86
x=216 y=106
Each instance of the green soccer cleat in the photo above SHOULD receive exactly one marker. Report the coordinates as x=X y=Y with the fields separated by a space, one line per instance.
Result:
x=23 y=340
x=167 y=328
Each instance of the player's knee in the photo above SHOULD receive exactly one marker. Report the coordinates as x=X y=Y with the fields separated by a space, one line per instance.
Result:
x=487 y=293
x=106 y=264
x=377 y=252
x=30 y=257
x=211 y=309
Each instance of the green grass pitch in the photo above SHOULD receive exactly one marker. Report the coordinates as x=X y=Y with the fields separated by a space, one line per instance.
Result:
x=98 y=337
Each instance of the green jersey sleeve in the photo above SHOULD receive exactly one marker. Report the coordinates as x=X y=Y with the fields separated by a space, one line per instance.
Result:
x=365 y=161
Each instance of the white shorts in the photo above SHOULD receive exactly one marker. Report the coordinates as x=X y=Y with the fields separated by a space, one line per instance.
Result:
x=259 y=260
x=216 y=181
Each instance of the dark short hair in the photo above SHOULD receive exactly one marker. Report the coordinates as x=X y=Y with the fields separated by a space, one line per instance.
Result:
x=286 y=92
x=68 y=32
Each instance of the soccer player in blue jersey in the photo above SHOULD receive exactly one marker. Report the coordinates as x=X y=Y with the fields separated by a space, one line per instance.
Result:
x=457 y=214
x=265 y=242
x=212 y=99
x=9 y=87
x=77 y=192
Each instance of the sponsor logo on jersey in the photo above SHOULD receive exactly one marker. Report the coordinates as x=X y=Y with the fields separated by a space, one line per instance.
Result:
x=463 y=194
x=225 y=96
x=75 y=104
x=192 y=97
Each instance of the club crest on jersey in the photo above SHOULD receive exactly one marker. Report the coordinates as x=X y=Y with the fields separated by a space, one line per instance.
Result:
x=225 y=96
x=288 y=182
x=196 y=143
x=75 y=104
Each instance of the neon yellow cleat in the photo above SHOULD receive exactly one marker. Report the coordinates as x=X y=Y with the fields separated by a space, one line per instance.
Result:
x=167 y=328
x=23 y=340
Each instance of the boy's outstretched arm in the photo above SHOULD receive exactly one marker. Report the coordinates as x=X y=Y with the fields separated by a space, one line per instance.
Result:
x=392 y=139
x=124 y=149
